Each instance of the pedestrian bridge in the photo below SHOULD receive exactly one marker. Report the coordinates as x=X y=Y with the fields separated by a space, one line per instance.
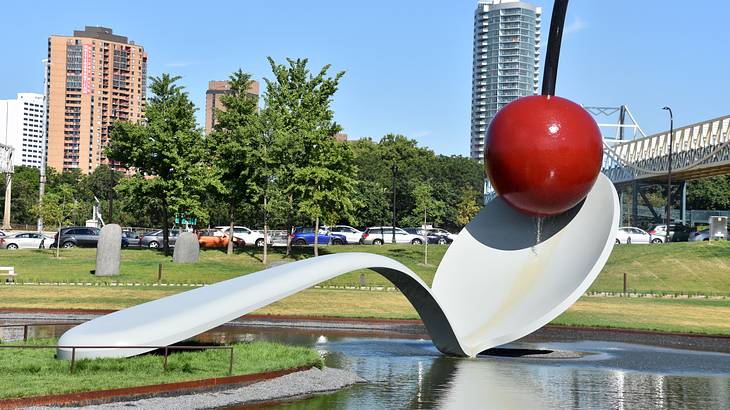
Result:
x=698 y=150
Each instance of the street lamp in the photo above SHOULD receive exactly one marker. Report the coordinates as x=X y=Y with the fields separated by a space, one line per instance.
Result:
x=394 y=169
x=669 y=173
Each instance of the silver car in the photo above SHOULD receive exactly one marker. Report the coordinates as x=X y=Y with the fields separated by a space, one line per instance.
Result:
x=154 y=239
x=26 y=240
x=379 y=235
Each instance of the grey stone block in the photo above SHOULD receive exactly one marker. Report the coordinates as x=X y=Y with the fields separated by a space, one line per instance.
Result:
x=109 y=250
x=187 y=248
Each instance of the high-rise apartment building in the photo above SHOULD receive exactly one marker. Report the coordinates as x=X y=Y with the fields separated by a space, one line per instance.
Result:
x=94 y=78
x=506 y=61
x=213 y=99
x=21 y=127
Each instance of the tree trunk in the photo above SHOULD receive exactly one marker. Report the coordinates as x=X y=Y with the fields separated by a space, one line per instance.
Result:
x=165 y=228
x=425 y=247
x=266 y=232
x=58 y=243
x=231 y=208
x=111 y=208
x=316 y=237
x=288 y=223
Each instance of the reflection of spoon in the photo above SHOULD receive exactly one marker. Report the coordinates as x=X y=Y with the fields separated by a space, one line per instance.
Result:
x=490 y=288
x=483 y=384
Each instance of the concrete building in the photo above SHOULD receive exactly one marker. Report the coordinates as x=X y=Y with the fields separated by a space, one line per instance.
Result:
x=506 y=62
x=94 y=78
x=213 y=100
x=21 y=127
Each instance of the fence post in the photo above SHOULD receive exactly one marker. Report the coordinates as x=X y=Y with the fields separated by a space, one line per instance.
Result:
x=230 y=364
x=164 y=365
x=625 y=284
x=159 y=272
x=25 y=332
x=73 y=358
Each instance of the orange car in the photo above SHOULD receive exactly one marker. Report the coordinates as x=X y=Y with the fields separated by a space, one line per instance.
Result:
x=212 y=238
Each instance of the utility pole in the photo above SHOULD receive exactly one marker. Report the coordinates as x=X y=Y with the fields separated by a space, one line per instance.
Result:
x=394 y=169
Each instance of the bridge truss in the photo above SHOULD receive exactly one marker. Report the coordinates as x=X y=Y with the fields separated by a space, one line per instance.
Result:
x=698 y=150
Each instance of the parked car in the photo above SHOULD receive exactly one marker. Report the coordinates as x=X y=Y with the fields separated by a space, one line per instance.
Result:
x=214 y=238
x=305 y=236
x=245 y=236
x=154 y=239
x=450 y=237
x=703 y=235
x=630 y=234
x=29 y=240
x=433 y=237
x=130 y=239
x=82 y=236
x=678 y=232
x=278 y=238
x=351 y=234
x=379 y=235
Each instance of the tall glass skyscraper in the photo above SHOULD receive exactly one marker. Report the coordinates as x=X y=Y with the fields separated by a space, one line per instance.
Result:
x=506 y=61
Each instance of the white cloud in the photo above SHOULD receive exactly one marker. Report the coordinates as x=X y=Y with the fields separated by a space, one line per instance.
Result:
x=578 y=24
x=421 y=134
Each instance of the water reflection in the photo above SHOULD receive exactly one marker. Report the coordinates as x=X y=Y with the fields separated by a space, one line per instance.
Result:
x=411 y=374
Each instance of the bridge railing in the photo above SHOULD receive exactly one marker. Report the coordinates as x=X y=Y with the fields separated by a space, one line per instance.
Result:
x=694 y=148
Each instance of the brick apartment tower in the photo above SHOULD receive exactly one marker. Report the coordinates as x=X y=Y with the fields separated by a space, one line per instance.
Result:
x=94 y=78
x=213 y=99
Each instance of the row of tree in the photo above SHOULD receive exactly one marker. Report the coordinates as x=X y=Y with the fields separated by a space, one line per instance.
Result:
x=276 y=166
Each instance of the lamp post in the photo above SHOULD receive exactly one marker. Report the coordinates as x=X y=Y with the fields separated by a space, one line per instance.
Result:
x=669 y=173
x=394 y=169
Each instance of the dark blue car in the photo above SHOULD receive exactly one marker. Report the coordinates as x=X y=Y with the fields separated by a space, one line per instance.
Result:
x=305 y=236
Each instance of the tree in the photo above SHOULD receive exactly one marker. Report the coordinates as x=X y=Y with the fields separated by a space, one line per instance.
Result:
x=101 y=183
x=326 y=186
x=468 y=206
x=300 y=124
x=708 y=193
x=167 y=153
x=425 y=206
x=24 y=195
x=235 y=145
x=373 y=200
x=57 y=209
x=447 y=176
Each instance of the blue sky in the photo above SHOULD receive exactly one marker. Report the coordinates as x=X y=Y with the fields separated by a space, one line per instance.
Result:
x=408 y=63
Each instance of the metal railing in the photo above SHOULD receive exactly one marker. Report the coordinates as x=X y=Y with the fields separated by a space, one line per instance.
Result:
x=701 y=149
x=165 y=349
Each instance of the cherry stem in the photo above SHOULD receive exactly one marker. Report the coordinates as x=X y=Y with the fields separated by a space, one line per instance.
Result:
x=557 y=21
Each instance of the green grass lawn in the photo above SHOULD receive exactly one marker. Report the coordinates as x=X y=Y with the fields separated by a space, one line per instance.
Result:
x=666 y=315
x=34 y=372
x=141 y=265
x=701 y=268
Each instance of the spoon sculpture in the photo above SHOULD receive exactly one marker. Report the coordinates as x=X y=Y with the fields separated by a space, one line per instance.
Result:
x=494 y=285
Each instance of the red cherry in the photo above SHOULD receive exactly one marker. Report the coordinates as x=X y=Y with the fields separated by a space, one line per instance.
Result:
x=543 y=154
